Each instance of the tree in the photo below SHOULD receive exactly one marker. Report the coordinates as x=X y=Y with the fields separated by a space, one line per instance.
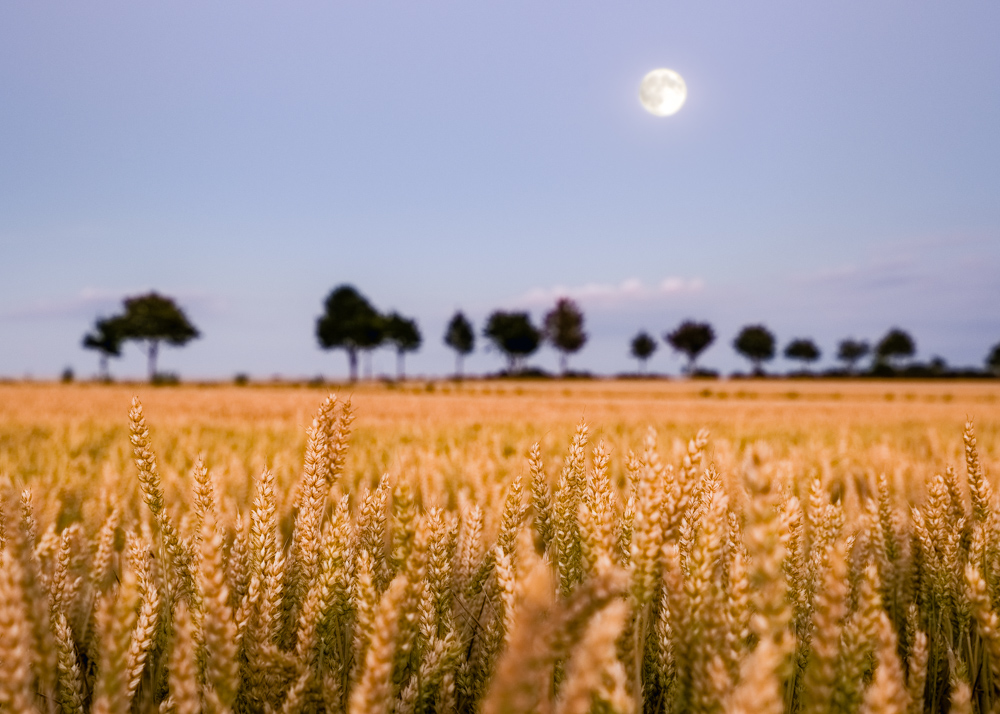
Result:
x=691 y=338
x=513 y=334
x=373 y=338
x=756 y=343
x=642 y=348
x=349 y=322
x=563 y=327
x=151 y=319
x=803 y=350
x=404 y=334
x=893 y=346
x=460 y=336
x=106 y=338
x=993 y=360
x=851 y=351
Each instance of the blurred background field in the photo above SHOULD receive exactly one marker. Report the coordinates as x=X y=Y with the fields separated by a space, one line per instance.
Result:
x=60 y=439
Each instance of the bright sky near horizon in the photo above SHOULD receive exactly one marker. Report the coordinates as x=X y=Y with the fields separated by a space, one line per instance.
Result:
x=835 y=171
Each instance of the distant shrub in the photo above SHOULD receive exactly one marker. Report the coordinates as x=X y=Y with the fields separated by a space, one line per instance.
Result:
x=165 y=379
x=526 y=373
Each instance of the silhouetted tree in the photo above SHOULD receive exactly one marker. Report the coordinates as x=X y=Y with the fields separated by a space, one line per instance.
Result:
x=802 y=350
x=893 y=346
x=756 y=343
x=563 y=327
x=107 y=339
x=993 y=360
x=404 y=334
x=852 y=351
x=513 y=334
x=151 y=319
x=460 y=336
x=691 y=339
x=643 y=346
x=349 y=322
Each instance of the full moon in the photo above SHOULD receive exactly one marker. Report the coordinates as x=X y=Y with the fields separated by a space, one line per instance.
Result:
x=662 y=92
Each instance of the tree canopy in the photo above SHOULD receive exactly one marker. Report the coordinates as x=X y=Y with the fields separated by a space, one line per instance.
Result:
x=404 y=334
x=802 y=350
x=563 y=328
x=691 y=339
x=349 y=322
x=756 y=343
x=513 y=334
x=895 y=345
x=852 y=351
x=642 y=348
x=460 y=337
x=106 y=339
x=152 y=319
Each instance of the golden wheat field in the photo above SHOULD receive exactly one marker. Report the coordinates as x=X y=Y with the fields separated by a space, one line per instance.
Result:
x=566 y=547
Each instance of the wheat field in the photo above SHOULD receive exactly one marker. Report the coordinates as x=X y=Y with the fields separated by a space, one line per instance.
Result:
x=785 y=546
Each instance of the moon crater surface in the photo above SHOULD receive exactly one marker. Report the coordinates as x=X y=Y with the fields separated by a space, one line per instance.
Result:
x=662 y=92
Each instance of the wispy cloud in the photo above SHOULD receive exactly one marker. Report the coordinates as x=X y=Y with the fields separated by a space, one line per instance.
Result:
x=942 y=261
x=629 y=290
x=91 y=302
x=877 y=274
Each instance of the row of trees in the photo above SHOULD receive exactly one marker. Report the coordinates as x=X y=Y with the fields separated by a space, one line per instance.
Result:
x=515 y=336
x=758 y=345
x=350 y=322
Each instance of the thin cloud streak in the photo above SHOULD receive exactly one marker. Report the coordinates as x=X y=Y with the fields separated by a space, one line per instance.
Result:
x=874 y=276
x=937 y=260
x=630 y=290
x=92 y=302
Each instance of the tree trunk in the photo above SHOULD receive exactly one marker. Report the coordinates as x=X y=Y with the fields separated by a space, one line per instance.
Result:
x=458 y=365
x=154 y=348
x=563 y=359
x=352 y=361
x=400 y=376
x=104 y=367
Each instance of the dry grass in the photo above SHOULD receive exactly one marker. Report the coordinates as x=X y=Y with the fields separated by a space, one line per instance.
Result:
x=832 y=547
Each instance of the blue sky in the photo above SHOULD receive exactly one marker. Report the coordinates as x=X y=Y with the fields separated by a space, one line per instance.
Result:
x=835 y=171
